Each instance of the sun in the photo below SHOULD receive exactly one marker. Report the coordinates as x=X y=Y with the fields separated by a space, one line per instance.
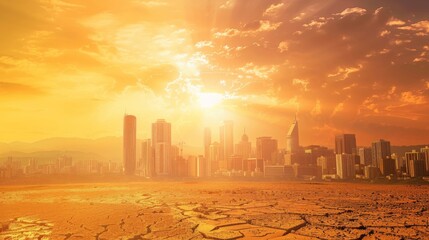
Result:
x=209 y=100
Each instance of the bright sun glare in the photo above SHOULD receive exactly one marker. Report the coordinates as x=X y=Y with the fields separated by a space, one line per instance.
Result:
x=208 y=100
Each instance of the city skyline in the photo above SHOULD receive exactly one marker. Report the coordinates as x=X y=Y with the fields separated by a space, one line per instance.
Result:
x=214 y=119
x=258 y=63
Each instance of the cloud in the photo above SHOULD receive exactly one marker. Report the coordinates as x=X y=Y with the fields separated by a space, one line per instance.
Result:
x=411 y=98
x=337 y=109
x=283 y=46
x=395 y=22
x=250 y=29
x=302 y=83
x=354 y=10
x=343 y=73
x=421 y=27
x=273 y=10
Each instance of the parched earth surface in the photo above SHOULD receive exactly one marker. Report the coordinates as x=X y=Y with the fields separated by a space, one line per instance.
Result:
x=214 y=210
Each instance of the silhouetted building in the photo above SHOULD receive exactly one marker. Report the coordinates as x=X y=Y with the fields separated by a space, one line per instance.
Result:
x=129 y=144
x=307 y=171
x=312 y=152
x=244 y=147
x=214 y=157
x=254 y=165
x=327 y=164
x=345 y=165
x=147 y=159
x=345 y=144
x=236 y=162
x=415 y=162
x=425 y=152
x=274 y=171
x=226 y=135
x=365 y=156
x=381 y=157
x=292 y=138
x=207 y=142
x=371 y=172
x=266 y=149
x=161 y=142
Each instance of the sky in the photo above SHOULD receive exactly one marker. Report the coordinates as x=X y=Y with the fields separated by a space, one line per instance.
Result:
x=73 y=68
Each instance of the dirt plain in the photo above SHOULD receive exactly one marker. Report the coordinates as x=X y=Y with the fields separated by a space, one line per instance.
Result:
x=214 y=210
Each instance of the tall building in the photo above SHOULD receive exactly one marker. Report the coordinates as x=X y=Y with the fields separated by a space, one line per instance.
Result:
x=147 y=164
x=207 y=142
x=327 y=163
x=415 y=162
x=345 y=143
x=425 y=152
x=226 y=142
x=345 y=165
x=292 y=138
x=267 y=150
x=244 y=147
x=381 y=157
x=365 y=156
x=214 y=156
x=161 y=143
x=129 y=144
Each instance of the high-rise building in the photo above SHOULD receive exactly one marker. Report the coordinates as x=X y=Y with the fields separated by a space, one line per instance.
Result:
x=292 y=138
x=345 y=143
x=365 y=155
x=147 y=164
x=244 y=147
x=226 y=135
x=267 y=150
x=425 y=152
x=161 y=143
x=415 y=162
x=129 y=144
x=345 y=165
x=327 y=163
x=214 y=156
x=207 y=142
x=381 y=157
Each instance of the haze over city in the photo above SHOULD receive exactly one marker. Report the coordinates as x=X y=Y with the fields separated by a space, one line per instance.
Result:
x=214 y=119
x=73 y=68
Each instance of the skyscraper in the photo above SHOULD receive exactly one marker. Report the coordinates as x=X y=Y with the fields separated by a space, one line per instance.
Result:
x=147 y=158
x=161 y=143
x=292 y=138
x=129 y=144
x=226 y=142
x=415 y=162
x=345 y=165
x=365 y=155
x=267 y=150
x=207 y=142
x=381 y=157
x=345 y=143
x=244 y=147
x=425 y=152
x=214 y=156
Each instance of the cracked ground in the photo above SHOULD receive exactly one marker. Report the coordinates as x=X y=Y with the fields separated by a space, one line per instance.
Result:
x=214 y=210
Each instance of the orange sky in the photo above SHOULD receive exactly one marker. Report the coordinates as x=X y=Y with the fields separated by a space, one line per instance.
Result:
x=71 y=68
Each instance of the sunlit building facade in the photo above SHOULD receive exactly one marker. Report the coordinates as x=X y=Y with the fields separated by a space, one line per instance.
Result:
x=161 y=143
x=129 y=144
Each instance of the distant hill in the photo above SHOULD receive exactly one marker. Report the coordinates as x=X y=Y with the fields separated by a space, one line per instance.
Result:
x=47 y=156
x=104 y=149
